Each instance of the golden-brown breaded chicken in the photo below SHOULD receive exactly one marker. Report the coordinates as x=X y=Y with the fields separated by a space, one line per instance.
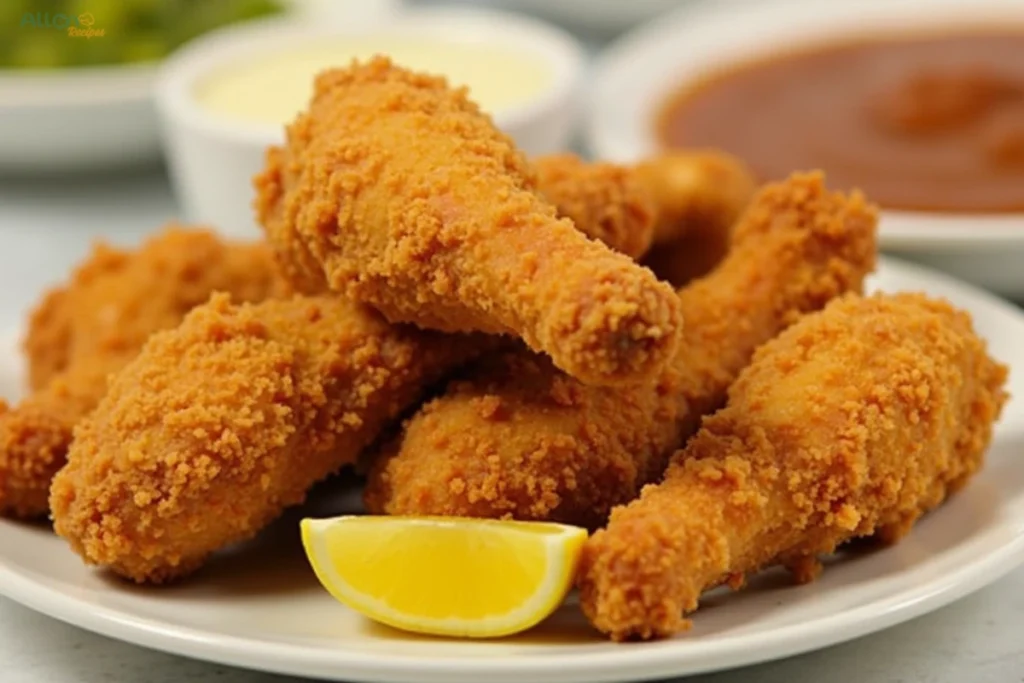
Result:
x=699 y=196
x=855 y=421
x=47 y=342
x=117 y=297
x=695 y=187
x=520 y=439
x=608 y=202
x=403 y=194
x=685 y=201
x=97 y=323
x=35 y=433
x=222 y=422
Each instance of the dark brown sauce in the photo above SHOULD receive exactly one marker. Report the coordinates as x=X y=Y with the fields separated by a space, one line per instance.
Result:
x=931 y=122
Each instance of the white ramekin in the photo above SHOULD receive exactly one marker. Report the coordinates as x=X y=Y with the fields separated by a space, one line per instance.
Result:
x=212 y=159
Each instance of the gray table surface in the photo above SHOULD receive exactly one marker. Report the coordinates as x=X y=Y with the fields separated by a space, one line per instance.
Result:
x=46 y=227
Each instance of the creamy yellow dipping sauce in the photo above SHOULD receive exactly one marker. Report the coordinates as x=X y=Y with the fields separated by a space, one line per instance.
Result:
x=273 y=88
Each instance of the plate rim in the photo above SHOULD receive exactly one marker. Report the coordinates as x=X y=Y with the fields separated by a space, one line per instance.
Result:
x=630 y=662
x=646 y=662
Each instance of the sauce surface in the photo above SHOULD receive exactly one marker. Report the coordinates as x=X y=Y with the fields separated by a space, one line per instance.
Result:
x=932 y=123
x=273 y=88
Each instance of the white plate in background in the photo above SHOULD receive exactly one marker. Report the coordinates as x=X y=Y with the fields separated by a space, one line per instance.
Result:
x=260 y=606
x=102 y=117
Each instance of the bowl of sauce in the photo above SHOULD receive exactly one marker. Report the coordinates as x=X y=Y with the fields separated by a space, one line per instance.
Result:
x=273 y=88
x=918 y=122
x=229 y=96
x=920 y=104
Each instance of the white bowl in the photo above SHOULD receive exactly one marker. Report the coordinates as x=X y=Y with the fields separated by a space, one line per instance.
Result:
x=213 y=158
x=102 y=117
x=635 y=75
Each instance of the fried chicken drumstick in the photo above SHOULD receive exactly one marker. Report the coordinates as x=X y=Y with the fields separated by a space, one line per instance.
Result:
x=695 y=187
x=855 y=421
x=518 y=438
x=222 y=422
x=678 y=208
x=699 y=196
x=397 y=191
x=612 y=203
x=96 y=324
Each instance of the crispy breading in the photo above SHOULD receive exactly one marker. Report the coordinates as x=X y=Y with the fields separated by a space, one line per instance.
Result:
x=518 y=438
x=608 y=202
x=95 y=324
x=855 y=421
x=397 y=191
x=222 y=422
x=699 y=194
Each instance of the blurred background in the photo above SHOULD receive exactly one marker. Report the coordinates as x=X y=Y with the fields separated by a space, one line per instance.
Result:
x=119 y=115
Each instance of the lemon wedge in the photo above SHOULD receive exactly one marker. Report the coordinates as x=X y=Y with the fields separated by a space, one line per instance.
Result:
x=470 y=578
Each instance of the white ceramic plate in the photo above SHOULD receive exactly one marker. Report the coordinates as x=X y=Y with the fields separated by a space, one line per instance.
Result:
x=634 y=76
x=260 y=606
